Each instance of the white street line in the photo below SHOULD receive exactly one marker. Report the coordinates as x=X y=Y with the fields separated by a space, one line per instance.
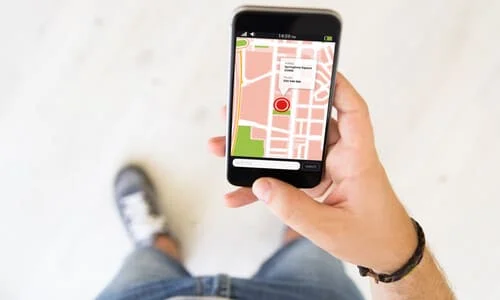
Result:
x=311 y=106
x=310 y=137
x=323 y=75
x=311 y=120
x=315 y=138
x=294 y=101
x=309 y=113
x=250 y=81
x=328 y=58
x=257 y=125
x=279 y=150
x=270 y=104
x=243 y=65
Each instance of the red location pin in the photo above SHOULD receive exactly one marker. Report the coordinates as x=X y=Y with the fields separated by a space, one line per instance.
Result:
x=281 y=104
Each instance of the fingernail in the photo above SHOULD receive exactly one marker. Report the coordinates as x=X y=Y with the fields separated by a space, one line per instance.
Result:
x=262 y=188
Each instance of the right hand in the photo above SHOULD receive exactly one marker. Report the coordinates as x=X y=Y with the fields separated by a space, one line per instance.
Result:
x=361 y=219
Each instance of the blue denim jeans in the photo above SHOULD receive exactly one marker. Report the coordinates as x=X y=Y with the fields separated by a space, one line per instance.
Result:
x=299 y=270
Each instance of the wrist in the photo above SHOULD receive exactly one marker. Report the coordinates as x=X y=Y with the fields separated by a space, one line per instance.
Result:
x=397 y=253
x=404 y=269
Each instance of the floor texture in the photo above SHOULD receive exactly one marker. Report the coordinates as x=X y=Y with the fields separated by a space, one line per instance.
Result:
x=86 y=86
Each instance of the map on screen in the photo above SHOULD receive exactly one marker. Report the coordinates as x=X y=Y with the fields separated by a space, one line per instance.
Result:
x=280 y=98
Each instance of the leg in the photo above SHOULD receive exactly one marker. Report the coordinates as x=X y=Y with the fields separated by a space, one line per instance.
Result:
x=302 y=264
x=156 y=256
x=145 y=265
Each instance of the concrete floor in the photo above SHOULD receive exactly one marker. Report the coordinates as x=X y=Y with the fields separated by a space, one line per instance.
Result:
x=86 y=86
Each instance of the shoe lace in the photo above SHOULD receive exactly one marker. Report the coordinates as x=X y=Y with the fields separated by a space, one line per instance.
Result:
x=141 y=223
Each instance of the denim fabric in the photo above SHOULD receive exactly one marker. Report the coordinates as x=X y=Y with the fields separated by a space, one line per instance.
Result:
x=297 y=271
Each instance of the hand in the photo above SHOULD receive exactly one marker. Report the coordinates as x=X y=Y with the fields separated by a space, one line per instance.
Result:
x=360 y=220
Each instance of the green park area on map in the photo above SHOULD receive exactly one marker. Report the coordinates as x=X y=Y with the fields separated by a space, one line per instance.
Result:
x=245 y=146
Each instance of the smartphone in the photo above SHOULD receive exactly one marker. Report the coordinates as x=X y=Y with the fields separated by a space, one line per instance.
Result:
x=282 y=74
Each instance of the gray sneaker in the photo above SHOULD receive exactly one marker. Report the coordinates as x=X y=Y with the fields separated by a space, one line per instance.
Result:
x=137 y=203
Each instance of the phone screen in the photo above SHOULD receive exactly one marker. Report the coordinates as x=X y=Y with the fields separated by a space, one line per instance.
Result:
x=281 y=95
x=283 y=63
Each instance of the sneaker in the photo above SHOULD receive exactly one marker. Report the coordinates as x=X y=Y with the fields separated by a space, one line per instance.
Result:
x=137 y=204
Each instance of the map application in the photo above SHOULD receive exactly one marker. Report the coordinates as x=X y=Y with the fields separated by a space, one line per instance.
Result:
x=280 y=99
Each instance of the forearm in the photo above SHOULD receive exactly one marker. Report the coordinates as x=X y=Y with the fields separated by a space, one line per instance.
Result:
x=426 y=281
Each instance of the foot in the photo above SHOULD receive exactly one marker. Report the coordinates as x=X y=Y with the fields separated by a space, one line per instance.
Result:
x=137 y=203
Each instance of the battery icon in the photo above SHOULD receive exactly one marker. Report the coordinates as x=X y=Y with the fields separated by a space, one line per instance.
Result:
x=328 y=38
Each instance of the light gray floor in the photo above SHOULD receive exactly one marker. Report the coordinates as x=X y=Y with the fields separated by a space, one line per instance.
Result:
x=86 y=86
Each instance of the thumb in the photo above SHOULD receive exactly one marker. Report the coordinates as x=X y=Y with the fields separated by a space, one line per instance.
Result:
x=294 y=207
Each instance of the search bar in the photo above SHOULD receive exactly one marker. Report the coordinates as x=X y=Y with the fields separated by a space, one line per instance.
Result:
x=266 y=164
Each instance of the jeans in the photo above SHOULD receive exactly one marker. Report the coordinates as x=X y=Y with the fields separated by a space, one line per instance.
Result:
x=299 y=270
